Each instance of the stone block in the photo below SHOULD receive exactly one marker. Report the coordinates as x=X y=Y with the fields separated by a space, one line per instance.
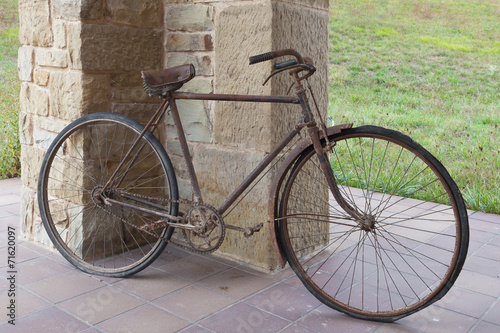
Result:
x=27 y=205
x=65 y=95
x=43 y=139
x=189 y=18
x=59 y=30
x=126 y=79
x=31 y=161
x=189 y=42
x=25 y=128
x=74 y=94
x=144 y=13
x=202 y=63
x=49 y=125
x=41 y=77
x=195 y=118
x=114 y=48
x=34 y=23
x=141 y=112
x=95 y=96
x=173 y=147
x=131 y=95
x=79 y=9
x=198 y=85
x=25 y=63
x=34 y=99
x=179 y=165
x=51 y=57
x=185 y=190
x=317 y=4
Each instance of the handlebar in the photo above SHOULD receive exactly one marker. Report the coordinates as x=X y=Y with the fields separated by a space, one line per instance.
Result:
x=276 y=54
x=285 y=64
x=298 y=64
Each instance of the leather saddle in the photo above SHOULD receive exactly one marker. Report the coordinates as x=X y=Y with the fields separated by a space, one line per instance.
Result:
x=159 y=82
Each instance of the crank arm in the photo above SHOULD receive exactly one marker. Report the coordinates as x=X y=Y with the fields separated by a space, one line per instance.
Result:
x=246 y=231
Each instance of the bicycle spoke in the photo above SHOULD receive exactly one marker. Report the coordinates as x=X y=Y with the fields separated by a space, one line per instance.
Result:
x=398 y=252
x=97 y=237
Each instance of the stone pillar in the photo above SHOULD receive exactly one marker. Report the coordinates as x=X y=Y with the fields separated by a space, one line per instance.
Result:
x=227 y=140
x=80 y=57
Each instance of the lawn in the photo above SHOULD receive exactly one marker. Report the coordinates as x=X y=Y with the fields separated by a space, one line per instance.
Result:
x=429 y=69
x=9 y=90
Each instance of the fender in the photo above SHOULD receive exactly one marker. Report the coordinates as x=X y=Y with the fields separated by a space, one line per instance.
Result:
x=277 y=184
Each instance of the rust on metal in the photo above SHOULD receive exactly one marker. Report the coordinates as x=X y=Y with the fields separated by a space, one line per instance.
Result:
x=256 y=172
x=236 y=98
x=160 y=79
x=280 y=177
x=247 y=232
x=159 y=82
x=185 y=150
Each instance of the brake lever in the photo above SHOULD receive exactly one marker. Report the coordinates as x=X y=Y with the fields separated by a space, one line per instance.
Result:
x=307 y=67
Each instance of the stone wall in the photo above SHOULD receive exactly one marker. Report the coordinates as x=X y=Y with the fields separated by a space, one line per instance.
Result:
x=80 y=57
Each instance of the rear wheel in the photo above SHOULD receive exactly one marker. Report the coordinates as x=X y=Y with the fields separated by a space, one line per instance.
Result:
x=99 y=238
x=404 y=245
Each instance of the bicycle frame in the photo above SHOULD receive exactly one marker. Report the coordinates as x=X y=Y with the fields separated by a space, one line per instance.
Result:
x=239 y=98
x=307 y=121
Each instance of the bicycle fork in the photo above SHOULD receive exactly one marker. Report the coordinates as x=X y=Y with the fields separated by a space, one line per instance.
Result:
x=321 y=151
x=330 y=177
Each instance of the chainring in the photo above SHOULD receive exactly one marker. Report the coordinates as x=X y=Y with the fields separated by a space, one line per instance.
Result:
x=209 y=229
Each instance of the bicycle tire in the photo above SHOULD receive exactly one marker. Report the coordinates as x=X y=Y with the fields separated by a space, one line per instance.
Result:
x=96 y=237
x=403 y=251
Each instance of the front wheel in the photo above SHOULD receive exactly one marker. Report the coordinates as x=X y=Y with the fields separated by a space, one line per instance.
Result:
x=95 y=236
x=404 y=246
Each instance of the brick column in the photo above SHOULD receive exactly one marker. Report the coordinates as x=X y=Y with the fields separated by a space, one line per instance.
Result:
x=80 y=57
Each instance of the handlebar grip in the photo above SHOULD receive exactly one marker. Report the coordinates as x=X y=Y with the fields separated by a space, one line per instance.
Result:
x=261 y=57
x=285 y=64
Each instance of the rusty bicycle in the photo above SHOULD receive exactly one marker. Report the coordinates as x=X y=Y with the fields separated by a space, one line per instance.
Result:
x=370 y=221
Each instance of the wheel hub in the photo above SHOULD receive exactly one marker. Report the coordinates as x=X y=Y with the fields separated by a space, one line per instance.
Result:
x=97 y=195
x=367 y=223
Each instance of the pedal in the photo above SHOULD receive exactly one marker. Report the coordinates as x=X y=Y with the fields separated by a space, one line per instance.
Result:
x=250 y=231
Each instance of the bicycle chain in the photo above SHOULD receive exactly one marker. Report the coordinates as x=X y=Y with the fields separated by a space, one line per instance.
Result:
x=162 y=199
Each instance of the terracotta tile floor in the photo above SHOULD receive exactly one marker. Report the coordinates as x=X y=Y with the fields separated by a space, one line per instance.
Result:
x=183 y=292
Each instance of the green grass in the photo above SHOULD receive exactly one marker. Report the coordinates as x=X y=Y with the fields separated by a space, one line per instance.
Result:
x=9 y=91
x=430 y=69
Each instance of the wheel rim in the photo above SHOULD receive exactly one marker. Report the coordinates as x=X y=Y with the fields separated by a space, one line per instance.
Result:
x=398 y=255
x=95 y=237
